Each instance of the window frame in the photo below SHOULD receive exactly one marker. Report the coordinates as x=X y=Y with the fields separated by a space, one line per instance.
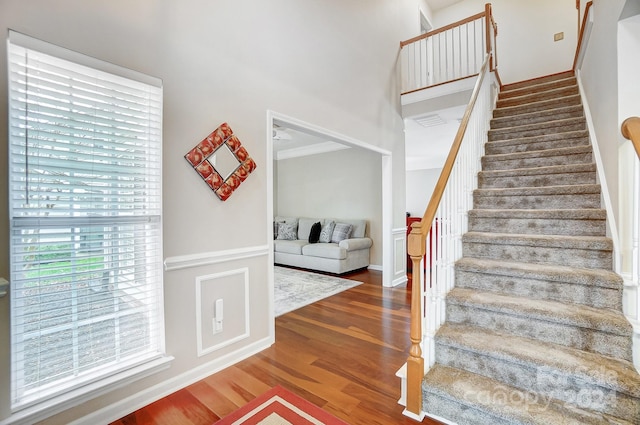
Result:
x=72 y=395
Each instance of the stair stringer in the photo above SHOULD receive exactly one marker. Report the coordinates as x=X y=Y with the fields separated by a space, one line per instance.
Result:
x=631 y=289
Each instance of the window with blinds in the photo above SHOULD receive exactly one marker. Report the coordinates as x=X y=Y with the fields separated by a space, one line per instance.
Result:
x=85 y=210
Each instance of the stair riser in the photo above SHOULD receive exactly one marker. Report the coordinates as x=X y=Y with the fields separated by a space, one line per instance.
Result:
x=590 y=295
x=536 y=130
x=536 y=97
x=538 y=81
x=561 y=201
x=545 y=381
x=533 y=144
x=531 y=226
x=537 y=107
x=572 y=257
x=458 y=413
x=492 y=163
x=536 y=180
x=500 y=123
x=591 y=340
x=565 y=82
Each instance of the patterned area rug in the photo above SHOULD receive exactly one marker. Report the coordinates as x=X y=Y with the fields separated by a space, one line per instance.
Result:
x=297 y=288
x=280 y=407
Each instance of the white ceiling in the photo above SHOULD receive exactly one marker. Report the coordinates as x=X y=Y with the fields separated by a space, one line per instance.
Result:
x=441 y=4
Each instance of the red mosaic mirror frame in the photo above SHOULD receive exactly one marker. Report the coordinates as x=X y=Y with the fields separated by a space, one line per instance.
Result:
x=199 y=159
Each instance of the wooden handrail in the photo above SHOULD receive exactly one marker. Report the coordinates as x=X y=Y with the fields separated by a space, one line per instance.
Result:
x=443 y=29
x=631 y=131
x=581 y=36
x=416 y=249
x=434 y=202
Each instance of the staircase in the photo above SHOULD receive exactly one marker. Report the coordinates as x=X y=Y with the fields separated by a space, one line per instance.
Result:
x=534 y=331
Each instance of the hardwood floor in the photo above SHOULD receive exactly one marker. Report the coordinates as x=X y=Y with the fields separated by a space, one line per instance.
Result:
x=340 y=353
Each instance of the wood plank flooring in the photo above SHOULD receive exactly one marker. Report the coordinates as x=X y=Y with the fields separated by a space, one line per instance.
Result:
x=340 y=353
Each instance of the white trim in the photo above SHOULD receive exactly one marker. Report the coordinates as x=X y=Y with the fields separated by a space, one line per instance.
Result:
x=376 y=267
x=467 y=83
x=315 y=149
x=387 y=220
x=244 y=335
x=143 y=398
x=606 y=197
x=214 y=257
x=78 y=396
x=399 y=236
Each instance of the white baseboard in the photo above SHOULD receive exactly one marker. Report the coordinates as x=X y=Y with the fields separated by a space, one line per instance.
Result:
x=130 y=404
x=375 y=267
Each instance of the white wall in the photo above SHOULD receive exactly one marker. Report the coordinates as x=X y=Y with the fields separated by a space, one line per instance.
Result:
x=420 y=185
x=525 y=34
x=332 y=64
x=344 y=184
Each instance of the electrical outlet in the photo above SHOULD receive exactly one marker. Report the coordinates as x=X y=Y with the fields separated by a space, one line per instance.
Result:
x=558 y=36
x=218 y=316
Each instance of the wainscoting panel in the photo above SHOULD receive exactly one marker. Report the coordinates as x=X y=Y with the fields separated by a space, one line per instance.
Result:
x=399 y=237
x=222 y=309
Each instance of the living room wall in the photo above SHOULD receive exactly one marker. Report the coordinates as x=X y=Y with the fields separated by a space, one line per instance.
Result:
x=343 y=184
x=333 y=64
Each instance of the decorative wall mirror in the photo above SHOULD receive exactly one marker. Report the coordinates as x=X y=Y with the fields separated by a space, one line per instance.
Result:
x=221 y=161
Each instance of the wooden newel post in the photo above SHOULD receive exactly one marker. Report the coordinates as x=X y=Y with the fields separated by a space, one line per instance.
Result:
x=488 y=27
x=631 y=131
x=415 y=362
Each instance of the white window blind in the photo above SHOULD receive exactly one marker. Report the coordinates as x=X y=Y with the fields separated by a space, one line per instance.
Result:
x=85 y=209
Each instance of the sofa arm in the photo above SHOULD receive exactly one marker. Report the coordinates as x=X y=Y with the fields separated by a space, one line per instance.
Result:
x=356 y=244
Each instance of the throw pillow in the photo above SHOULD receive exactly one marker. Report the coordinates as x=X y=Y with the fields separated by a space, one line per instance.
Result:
x=341 y=232
x=314 y=235
x=287 y=231
x=326 y=232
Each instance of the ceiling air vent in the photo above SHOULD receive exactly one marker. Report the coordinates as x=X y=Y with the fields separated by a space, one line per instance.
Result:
x=430 y=120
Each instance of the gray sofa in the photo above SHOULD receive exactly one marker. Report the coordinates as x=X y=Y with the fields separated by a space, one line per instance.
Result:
x=337 y=257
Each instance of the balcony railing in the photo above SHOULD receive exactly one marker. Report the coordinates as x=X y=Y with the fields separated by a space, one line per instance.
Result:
x=450 y=53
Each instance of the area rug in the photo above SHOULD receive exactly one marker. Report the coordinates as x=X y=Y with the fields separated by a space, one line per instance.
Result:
x=279 y=406
x=296 y=288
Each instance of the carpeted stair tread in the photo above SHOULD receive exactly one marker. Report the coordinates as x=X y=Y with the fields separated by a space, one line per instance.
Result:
x=548 y=127
x=470 y=399
x=538 y=87
x=593 y=287
x=540 y=105
x=537 y=96
x=543 y=197
x=531 y=353
x=535 y=171
x=574 y=251
x=552 y=175
x=554 y=273
x=547 y=190
x=563 y=112
x=605 y=320
x=551 y=241
x=538 y=143
x=537 y=81
x=543 y=158
x=580 y=222
x=573 y=150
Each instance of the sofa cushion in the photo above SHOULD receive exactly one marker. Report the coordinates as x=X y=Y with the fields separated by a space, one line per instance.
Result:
x=327 y=231
x=289 y=247
x=287 y=232
x=341 y=232
x=325 y=250
x=359 y=226
x=304 y=227
x=314 y=235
